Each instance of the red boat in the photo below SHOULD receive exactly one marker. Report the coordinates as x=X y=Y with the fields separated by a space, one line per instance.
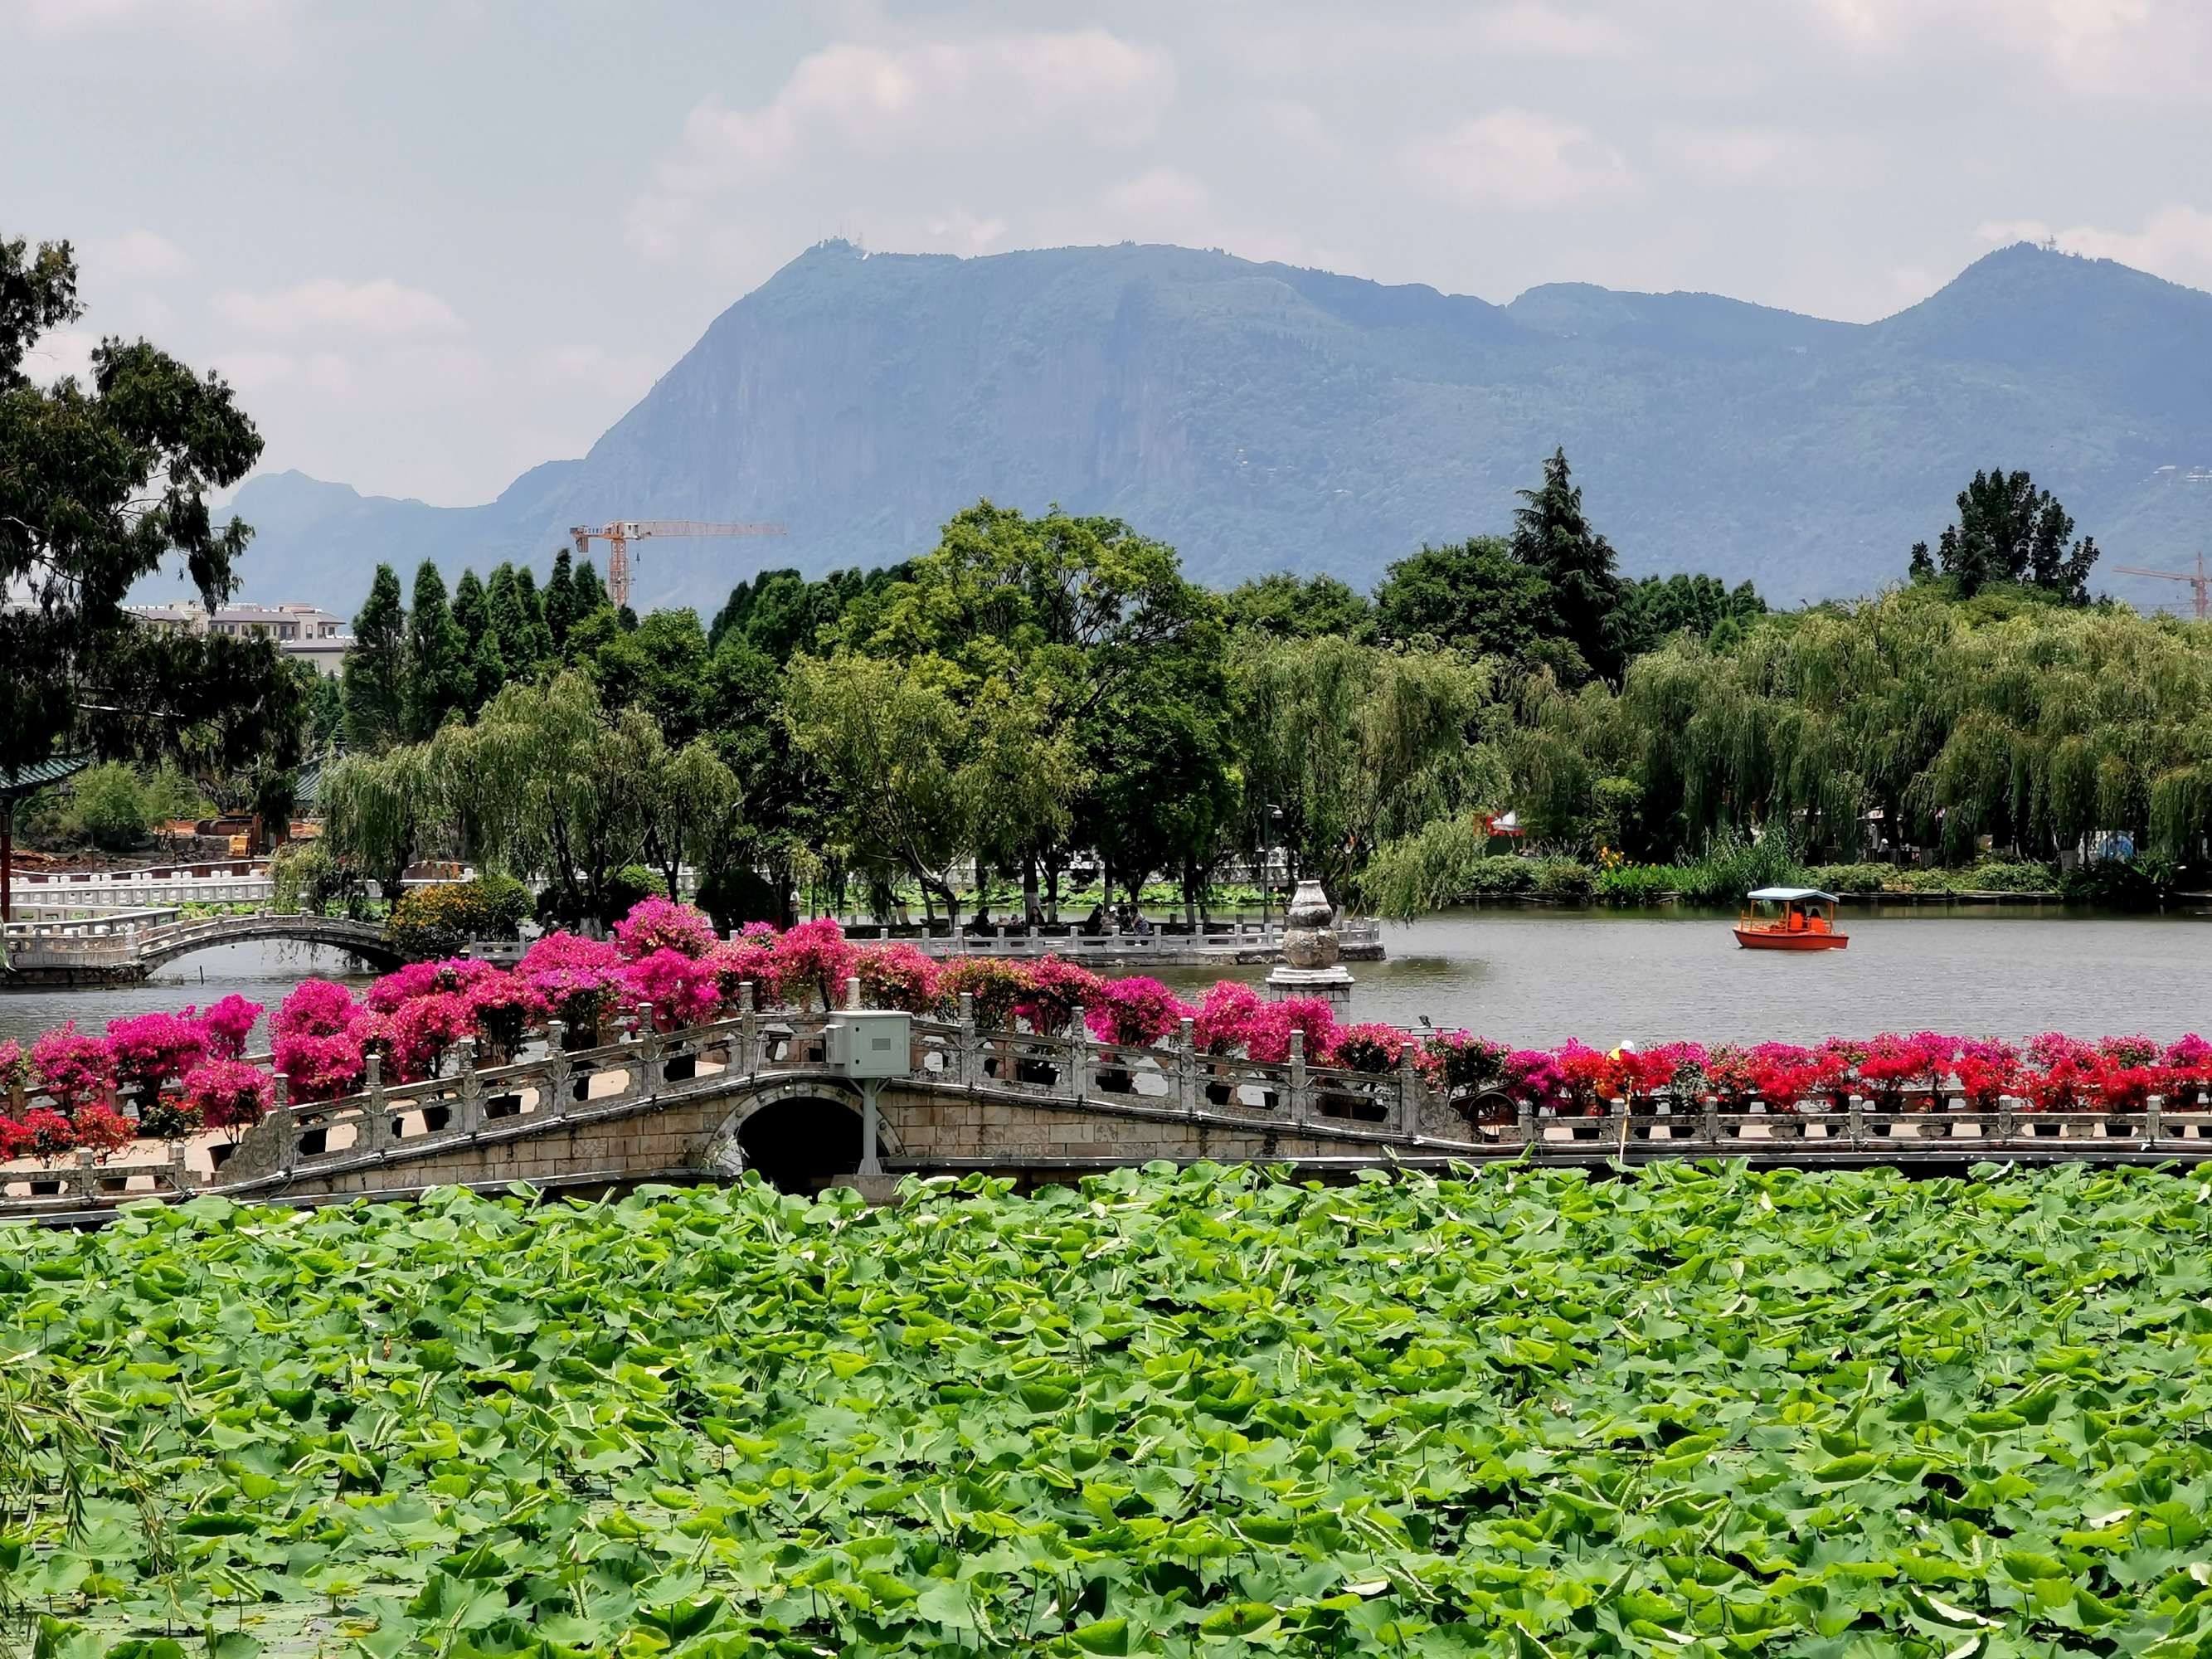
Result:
x=1789 y=918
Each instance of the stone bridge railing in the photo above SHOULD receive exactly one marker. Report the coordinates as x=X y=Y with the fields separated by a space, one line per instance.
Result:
x=655 y=1106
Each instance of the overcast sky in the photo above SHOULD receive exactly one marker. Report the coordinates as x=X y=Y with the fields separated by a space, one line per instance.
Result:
x=436 y=241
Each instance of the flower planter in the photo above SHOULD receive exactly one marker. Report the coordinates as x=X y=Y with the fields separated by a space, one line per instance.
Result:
x=503 y=1106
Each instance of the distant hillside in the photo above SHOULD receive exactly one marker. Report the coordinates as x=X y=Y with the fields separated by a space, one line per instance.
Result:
x=1261 y=418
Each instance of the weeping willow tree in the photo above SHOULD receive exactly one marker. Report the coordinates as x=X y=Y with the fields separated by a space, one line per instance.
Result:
x=2035 y=727
x=1354 y=745
x=382 y=812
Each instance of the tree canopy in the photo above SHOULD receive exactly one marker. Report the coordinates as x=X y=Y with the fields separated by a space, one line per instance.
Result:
x=2009 y=531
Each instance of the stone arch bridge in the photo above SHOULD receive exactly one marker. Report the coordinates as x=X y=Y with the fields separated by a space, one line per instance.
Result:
x=759 y=1093
x=88 y=952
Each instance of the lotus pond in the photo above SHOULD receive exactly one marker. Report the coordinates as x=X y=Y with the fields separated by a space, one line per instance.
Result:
x=1702 y=1410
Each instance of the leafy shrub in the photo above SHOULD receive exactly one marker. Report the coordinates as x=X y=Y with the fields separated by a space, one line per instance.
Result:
x=435 y=921
x=1566 y=880
x=734 y=898
x=1636 y=884
x=2117 y=883
x=1858 y=879
x=307 y=877
x=1504 y=876
x=108 y=806
x=1057 y=988
x=995 y=984
x=578 y=978
x=228 y=1094
x=505 y=1006
x=814 y=958
x=749 y=958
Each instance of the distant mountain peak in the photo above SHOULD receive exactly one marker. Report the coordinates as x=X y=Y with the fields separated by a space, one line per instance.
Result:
x=1266 y=417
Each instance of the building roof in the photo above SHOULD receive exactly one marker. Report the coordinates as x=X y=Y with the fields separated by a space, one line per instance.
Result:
x=14 y=785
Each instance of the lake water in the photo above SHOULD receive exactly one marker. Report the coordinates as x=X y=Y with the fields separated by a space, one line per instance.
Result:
x=1542 y=976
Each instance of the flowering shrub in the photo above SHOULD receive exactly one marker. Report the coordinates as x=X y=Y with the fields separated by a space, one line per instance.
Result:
x=1586 y=1077
x=660 y=924
x=1783 y=1075
x=227 y=1024
x=322 y=1040
x=228 y=1094
x=1371 y=1049
x=684 y=990
x=1133 y=1011
x=749 y=958
x=2062 y=1077
x=15 y=1069
x=1057 y=988
x=505 y=1006
x=147 y=1052
x=1267 y=1033
x=424 y=1028
x=102 y=1130
x=74 y=1067
x=44 y=1132
x=813 y=957
x=1675 y=1070
x=1224 y=1017
x=899 y=975
x=421 y=979
x=995 y=983
x=1987 y=1071
x=578 y=978
x=1462 y=1065
x=1533 y=1078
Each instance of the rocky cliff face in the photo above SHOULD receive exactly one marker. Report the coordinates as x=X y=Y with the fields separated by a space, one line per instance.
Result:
x=1261 y=418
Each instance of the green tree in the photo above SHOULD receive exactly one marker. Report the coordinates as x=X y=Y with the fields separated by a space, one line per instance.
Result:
x=506 y=623
x=661 y=667
x=440 y=680
x=1657 y=608
x=689 y=799
x=1553 y=536
x=2009 y=531
x=1475 y=595
x=1354 y=745
x=561 y=612
x=591 y=592
x=1286 y=608
x=376 y=668
x=383 y=811
x=109 y=806
x=100 y=483
x=537 y=647
x=487 y=668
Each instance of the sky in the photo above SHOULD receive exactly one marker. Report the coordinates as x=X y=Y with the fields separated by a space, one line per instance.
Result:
x=435 y=242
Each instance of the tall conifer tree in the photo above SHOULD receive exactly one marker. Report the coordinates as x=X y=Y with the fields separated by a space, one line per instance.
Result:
x=376 y=667
x=439 y=678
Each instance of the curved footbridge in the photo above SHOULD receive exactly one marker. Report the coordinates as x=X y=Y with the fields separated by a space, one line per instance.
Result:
x=121 y=947
x=767 y=1092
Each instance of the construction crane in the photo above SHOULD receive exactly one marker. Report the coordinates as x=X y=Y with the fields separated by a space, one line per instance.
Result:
x=2200 y=583
x=618 y=537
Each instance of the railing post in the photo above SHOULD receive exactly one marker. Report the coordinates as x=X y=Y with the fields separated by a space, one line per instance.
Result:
x=470 y=1117
x=375 y=1112
x=853 y=991
x=748 y=1029
x=2154 y=1110
x=1410 y=1102
x=2007 y=1117
x=970 y=1062
x=1187 y=1065
x=1298 y=1077
x=287 y=1126
x=1855 y=1119
x=1710 y=1113
x=1524 y=1118
x=553 y=1094
x=1079 y=1053
x=648 y=1050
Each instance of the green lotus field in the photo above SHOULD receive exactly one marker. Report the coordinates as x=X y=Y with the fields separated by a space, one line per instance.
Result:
x=1694 y=1411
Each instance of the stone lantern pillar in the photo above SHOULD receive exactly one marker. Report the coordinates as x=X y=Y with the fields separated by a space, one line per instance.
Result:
x=1310 y=967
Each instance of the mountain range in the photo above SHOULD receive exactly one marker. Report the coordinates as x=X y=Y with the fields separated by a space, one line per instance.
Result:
x=1264 y=418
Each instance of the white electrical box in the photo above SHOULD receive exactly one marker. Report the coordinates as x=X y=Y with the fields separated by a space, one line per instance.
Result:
x=872 y=1042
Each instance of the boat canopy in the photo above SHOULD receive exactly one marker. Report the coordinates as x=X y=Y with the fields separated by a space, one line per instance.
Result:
x=1791 y=895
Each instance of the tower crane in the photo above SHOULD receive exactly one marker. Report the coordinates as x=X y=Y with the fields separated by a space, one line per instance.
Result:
x=619 y=535
x=2201 y=582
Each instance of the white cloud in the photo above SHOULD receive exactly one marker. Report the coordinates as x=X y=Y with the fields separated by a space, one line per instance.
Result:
x=877 y=99
x=92 y=16
x=258 y=372
x=2175 y=242
x=1513 y=158
x=1300 y=127
x=1749 y=154
x=655 y=225
x=381 y=306
x=1546 y=32
x=2126 y=47
x=956 y=230
x=1163 y=200
x=138 y=256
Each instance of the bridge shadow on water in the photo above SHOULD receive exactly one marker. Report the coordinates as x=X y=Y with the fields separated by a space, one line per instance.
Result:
x=802 y=1146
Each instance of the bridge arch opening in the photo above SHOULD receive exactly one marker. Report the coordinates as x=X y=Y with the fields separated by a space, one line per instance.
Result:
x=802 y=1146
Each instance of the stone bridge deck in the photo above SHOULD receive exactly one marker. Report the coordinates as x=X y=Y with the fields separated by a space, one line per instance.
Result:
x=98 y=952
x=756 y=1091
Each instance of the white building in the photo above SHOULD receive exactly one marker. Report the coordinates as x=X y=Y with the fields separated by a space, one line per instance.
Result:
x=314 y=636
